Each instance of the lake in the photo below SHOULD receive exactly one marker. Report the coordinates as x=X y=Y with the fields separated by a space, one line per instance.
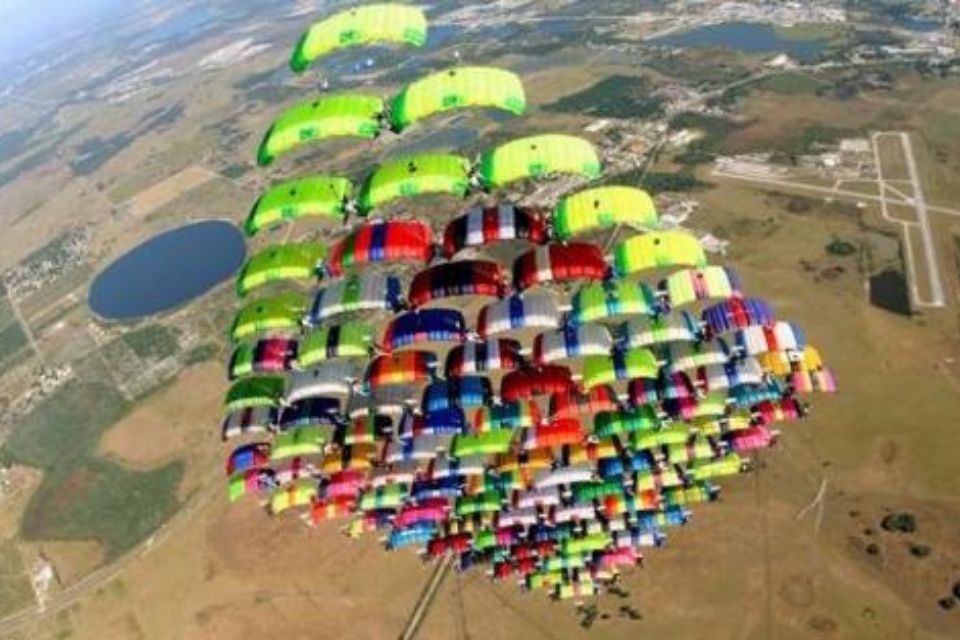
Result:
x=168 y=270
x=749 y=37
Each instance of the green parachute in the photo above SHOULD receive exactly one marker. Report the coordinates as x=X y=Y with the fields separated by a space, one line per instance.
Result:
x=325 y=196
x=282 y=312
x=536 y=157
x=415 y=175
x=326 y=117
x=294 y=261
x=658 y=250
x=603 y=207
x=457 y=88
x=370 y=24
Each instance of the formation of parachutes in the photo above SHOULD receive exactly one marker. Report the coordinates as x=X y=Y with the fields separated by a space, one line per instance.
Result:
x=549 y=416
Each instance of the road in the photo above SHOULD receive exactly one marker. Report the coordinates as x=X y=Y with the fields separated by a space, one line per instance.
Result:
x=917 y=201
x=926 y=234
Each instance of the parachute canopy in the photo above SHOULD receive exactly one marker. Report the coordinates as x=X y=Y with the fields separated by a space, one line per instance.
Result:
x=365 y=25
x=425 y=325
x=451 y=279
x=294 y=261
x=537 y=157
x=658 y=250
x=537 y=310
x=325 y=117
x=379 y=241
x=317 y=196
x=457 y=88
x=357 y=292
x=269 y=355
x=603 y=207
x=412 y=176
x=558 y=262
x=611 y=299
x=350 y=340
x=482 y=226
x=694 y=285
x=283 y=312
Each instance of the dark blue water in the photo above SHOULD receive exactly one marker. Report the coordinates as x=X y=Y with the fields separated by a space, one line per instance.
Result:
x=743 y=36
x=168 y=270
x=917 y=23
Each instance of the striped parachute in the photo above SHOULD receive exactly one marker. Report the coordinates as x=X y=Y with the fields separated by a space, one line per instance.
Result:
x=696 y=285
x=331 y=341
x=558 y=262
x=424 y=325
x=380 y=241
x=537 y=310
x=483 y=357
x=366 y=292
x=268 y=355
x=483 y=226
x=572 y=342
x=612 y=299
x=454 y=279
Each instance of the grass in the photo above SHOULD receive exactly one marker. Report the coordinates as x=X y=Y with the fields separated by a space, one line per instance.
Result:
x=15 y=591
x=12 y=340
x=83 y=496
x=616 y=96
x=811 y=31
x=153 y=342
x=201 y=353
x=793 y=83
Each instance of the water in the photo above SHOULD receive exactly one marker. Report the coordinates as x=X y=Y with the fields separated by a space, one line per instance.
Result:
x=168 y=270
x=748 y=37
x=919 y=24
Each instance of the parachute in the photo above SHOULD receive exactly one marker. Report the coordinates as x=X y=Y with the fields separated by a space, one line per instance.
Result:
x=412 y=176
x=318 y=196
x=538 y=157
x=424 y=325
x=781 y=336
x=647 y=332
x=737 y=313
x=482 y=357
x=695 y=285
x=621 y=365
x=295 y=261
x=658 y=250
x=349 y=340
x=559 y=262
x=283 y=312
x=379 y=241
x=556 y=475
x=482 y=226
x=572 y=342
x=250 y=420
x=255 y=391
x=457 y=88
x=269 y=355
x=527 y=383
x=401 y=368
x=359 y=26
x=601 y=208
x=354 y=293
x=330 y=378
x=536 y=310
x=452 y=279
x=323 y=118
x=611 y=299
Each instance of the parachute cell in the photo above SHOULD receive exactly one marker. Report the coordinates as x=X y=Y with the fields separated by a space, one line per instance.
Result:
x=658 y=250
x=452 y=279
x=413 y=176
x=482 y=226
x=318 y=196
x=296 y=261
x=379 y=241
x=538 y=157
x=559 y=262
x=601 y=208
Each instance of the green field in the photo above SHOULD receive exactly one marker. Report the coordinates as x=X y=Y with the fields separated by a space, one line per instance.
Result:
x=83 y=496
x=793 y=83
x=616 y=96
x=152 y=342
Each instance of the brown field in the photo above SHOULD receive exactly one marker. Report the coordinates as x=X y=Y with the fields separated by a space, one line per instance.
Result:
x=893 y=160
x=167 y=190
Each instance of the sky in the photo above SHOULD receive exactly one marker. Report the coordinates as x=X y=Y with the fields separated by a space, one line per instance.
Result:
x=25 y=22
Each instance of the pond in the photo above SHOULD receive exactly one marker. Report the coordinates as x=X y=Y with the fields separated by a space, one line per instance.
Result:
x=168 y=270
x=749 y=37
